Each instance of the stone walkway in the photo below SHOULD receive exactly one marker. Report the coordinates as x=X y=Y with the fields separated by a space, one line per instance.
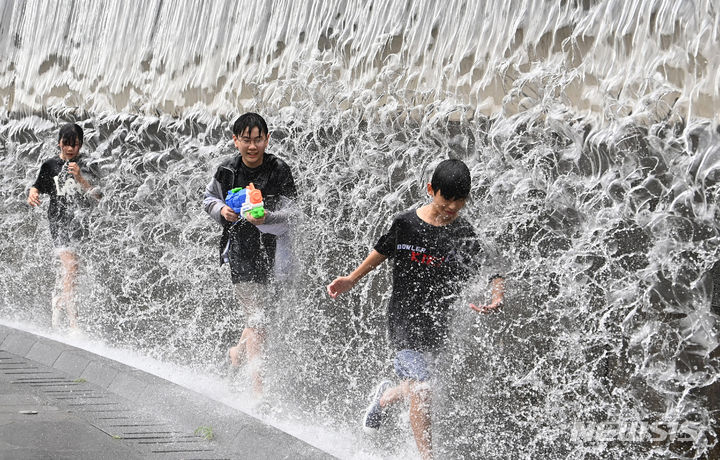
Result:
x=60 y=402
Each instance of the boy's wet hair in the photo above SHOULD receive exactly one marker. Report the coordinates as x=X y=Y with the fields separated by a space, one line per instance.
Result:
x=71 y=134
x=452 y=179
x=249 y=121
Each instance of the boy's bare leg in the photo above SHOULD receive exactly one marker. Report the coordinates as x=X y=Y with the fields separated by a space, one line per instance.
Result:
x=420 y=421
x=69 y=261
x=237 y=352
x=254 y=338
x=395 y=394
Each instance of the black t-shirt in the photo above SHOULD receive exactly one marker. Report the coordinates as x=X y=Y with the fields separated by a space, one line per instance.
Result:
x=67 y=197
x=252 y=253
x=429 y=264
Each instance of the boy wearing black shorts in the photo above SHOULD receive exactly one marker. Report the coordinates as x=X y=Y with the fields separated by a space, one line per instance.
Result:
x=257 y=249
x=67 y=180
x=433 y=251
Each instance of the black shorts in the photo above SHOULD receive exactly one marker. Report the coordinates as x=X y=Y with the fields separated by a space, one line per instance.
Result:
x=67 y=234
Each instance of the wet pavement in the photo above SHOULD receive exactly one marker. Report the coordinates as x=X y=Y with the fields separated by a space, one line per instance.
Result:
x=60 y=402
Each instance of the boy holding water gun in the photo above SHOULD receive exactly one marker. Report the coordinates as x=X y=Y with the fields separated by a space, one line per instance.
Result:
x=67 y=180
x=255 y=241
x=434 y=251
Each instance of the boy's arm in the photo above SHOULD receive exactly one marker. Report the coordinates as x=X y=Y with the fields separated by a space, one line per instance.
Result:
x=80 y=178
x=214 y=204
x=345 y=283
x=74 y=170
x=34 y=196
x=497 y=296
x=277 y=222
x=39 y=186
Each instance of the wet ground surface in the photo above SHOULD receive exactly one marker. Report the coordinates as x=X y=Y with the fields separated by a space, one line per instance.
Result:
x=59 y=402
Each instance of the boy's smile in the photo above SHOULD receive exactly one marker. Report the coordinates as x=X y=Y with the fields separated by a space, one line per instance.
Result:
x=252 y=147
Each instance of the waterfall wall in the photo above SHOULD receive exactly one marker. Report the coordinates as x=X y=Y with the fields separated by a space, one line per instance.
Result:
x=609 y=58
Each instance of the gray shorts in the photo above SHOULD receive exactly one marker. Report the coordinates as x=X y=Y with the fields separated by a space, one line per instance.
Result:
x=414 y=365
x=254 y=300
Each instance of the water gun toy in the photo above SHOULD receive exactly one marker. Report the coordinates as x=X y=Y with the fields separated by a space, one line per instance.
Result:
x=246 y=200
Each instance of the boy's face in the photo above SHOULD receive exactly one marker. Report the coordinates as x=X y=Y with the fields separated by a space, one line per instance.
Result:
x=448 y=210
x=252 y=145
x=68 y=149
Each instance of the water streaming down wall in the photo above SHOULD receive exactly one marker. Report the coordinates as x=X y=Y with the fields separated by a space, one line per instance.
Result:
x=589 y=130
x=605 y=56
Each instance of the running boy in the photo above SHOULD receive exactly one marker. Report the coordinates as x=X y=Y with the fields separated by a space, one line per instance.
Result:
x=258 y=249
x=432 y=248
x=67 y=180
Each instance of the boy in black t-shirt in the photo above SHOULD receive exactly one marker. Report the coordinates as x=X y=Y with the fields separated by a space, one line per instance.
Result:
x=67 y=180
x=433 y=251
x=257 y=249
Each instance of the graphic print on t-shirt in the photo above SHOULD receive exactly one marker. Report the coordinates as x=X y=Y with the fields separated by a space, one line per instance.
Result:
x=420 y=255
x=65 y=184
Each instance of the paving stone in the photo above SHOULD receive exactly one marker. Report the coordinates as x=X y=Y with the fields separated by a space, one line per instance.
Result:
x=85 y=406
x=72 y=362
x=127 y=386
x=99 y=373
x=18 y=343
x=45 y=353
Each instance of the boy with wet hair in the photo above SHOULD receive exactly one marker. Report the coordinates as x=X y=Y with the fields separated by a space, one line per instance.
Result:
x=434 y=250
x=257 y=249
x=67 y=180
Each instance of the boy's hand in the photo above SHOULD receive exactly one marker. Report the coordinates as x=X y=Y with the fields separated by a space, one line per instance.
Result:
x=34 y=197
x=340 y=285
x=498 y=294
x=486 y=308
x=255 y=221
x=74 y=169
x=229 y=214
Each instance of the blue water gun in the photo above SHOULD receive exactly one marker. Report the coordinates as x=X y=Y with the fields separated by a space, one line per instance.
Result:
x=245 y=201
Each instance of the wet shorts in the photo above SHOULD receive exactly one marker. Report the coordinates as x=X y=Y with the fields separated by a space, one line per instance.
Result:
x=67 y=236
x=413 y=365
x=253 y=299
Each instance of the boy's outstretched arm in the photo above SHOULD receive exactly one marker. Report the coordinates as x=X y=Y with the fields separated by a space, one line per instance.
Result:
x=497 y=294
x=34 y=197
x=345 y=283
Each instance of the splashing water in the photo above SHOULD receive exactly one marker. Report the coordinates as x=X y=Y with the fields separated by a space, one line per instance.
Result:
x=596 y=173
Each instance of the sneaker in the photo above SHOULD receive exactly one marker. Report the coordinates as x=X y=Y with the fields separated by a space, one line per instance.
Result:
x=374 y=413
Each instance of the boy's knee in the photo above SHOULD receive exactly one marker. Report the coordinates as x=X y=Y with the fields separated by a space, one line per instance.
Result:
x=253 y=337
x=419 y=389
x=420 y=396
x=69 y=260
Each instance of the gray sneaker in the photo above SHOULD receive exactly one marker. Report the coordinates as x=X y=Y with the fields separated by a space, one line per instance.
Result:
x=374 y=413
